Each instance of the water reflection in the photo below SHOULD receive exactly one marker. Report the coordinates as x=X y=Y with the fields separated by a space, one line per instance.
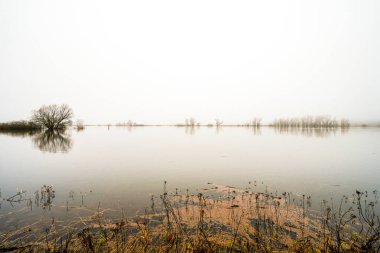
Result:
x=311 y=132
x=22 y=134
x=61 y=141
x=43 y=198
x=218 y=129
x=128 y=127
x=53 y=141
x=190 y=130
x=254 y=130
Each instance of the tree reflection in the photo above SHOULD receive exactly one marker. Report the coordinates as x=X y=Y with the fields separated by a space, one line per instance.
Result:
x=321 y=132
x=53 y=141
x=22 y=134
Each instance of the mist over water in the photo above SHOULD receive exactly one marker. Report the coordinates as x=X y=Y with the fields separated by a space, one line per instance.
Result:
x=121 y=167
x=169 y=125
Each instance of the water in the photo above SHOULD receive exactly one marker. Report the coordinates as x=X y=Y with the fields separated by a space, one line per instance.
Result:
x=120 y=167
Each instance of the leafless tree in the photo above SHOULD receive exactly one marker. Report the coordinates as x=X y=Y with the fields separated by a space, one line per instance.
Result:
x=256 y=122
x=344 y=123
x=322 y=121
x=218 y=122
x=191 y=122
x=53 y=117
x=80 y=125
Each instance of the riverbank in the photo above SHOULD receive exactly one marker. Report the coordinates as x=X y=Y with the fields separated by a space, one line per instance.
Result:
x=217 y=219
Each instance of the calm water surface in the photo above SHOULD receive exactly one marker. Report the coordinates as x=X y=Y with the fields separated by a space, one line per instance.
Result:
x=121 y=167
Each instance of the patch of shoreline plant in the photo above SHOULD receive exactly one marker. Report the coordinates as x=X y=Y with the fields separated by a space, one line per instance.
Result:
x=218 y=219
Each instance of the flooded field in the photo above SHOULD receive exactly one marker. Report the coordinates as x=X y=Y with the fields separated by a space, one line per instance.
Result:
x=122 y=167
x=288 y=187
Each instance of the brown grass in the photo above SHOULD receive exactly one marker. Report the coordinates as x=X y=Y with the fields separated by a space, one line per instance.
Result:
x=218 y=219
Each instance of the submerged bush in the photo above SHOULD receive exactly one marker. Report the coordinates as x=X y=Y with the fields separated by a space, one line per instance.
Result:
x=53 y=117
x=19 y=126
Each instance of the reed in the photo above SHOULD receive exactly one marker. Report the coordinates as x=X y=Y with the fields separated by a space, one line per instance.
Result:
x=217 y=219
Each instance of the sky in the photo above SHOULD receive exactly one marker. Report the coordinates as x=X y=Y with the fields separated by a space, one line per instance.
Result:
x=164 y=61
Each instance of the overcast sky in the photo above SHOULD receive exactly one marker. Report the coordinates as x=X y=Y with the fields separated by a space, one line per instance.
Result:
x=163 y=61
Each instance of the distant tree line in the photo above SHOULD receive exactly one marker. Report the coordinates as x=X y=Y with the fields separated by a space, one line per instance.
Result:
x=303 y=122
x=19 y=126
x=129 y=123
x=311 y=122
x=59 y=117
x=47 y=117
x=255 y=122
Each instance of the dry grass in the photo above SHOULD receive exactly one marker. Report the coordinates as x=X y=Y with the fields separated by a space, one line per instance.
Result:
x=220 y=219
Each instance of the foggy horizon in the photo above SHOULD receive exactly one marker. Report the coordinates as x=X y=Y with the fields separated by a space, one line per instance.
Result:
x=263 y=126
x=161 y=62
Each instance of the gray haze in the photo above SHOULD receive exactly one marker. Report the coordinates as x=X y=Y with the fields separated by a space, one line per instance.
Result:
x=162 y=61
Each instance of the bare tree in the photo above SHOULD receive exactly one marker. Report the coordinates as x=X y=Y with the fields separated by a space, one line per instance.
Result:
x=256 y=122
x=53 y=117
x=80 y=124
x=322 y=121
x=218 y=122
x=190 y=122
